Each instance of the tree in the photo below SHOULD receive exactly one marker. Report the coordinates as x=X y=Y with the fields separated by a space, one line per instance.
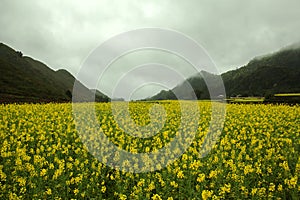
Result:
x=20 y=54
x=69 y=94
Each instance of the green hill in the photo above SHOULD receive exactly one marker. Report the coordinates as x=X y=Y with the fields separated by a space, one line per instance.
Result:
x=278 y=72
x=24 y=79
x=274 y=73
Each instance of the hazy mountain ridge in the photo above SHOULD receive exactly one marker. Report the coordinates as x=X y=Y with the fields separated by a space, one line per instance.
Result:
x=278 y=72
x=24 y=79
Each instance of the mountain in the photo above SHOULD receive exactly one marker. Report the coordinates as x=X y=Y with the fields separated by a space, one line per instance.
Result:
x=99 y=96
x=24 y=79
x=278 y=72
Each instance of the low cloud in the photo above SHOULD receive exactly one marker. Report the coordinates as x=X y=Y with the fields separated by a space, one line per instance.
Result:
x=63 y=33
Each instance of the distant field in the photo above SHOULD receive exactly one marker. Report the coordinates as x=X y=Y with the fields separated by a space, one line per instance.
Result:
x=288 y=95
x=256 y=157
x=245 y=100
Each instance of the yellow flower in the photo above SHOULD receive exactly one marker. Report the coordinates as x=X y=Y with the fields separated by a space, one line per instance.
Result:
x=82 y=194
x=206 y=194
x=43 y=172
x=225 y=189
x=201 y=178
x=156 y=197
x=279 y=188
x=262 y=192
x=291 y=182
x=122 y=197
x=150 y=187
x=213 y=174
x=174 y=184
x=48 y=191
x=253 y=191
x=38 y=141
x=184 y=157
x=22 y=181
x=103 y=189
x=272 y=187
x=269 y=170
x=248 y=169
x=76 y=191
x=180 y=174
x=141 y=183
x=285 y=165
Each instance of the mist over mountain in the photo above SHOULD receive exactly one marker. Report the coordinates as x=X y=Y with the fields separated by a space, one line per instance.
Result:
x=24 y=79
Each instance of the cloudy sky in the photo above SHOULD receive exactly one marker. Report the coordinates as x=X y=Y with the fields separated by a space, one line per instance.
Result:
x=62 y=34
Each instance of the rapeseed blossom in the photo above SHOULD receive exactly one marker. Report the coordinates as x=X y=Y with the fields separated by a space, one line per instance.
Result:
x=44 y=157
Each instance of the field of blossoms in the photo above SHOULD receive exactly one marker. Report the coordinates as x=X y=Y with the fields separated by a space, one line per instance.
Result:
x=256 y=156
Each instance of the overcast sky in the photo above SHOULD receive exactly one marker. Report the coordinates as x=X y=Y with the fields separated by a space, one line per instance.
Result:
x=63 y=33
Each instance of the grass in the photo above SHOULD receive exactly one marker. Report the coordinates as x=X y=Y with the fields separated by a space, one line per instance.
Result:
x=287 y=95
x=246 y=100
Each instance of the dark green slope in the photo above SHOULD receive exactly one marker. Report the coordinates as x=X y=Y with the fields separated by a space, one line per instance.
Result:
x=274 y=73
x=24 y=79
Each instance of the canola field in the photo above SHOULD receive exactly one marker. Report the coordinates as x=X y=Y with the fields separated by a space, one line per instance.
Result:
x=255 y=157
